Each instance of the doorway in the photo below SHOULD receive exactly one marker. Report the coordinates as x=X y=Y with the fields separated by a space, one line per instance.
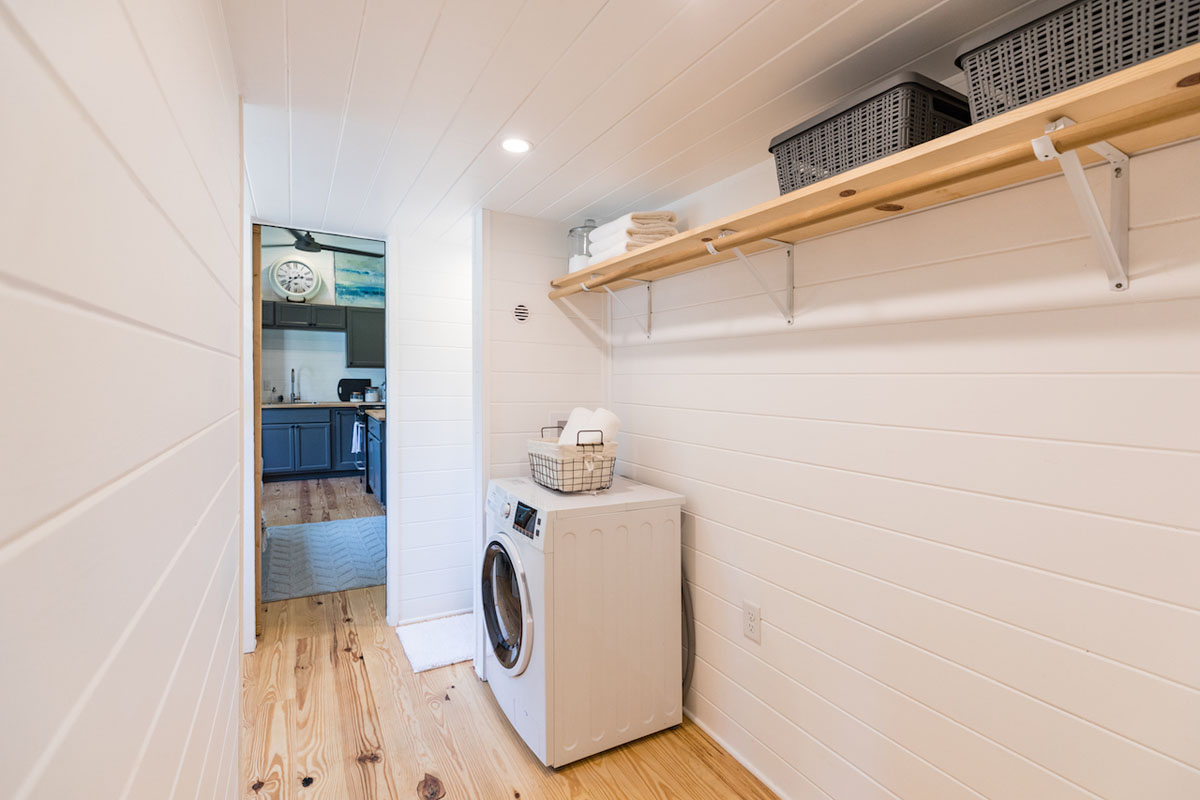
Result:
x=320 y=426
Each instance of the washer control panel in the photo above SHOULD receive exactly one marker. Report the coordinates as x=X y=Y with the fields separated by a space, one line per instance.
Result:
x=527 y=522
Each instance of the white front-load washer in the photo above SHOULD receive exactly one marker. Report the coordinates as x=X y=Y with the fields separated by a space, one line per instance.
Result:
x=581 y=614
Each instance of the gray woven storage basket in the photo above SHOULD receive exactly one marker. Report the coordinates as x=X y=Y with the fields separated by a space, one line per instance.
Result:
x=893 y=115
x=1052 y=47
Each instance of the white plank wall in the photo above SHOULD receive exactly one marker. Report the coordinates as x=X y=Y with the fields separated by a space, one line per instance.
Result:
x=429 y=428
x=961 y=487
x=539 y=369
x=119 y=558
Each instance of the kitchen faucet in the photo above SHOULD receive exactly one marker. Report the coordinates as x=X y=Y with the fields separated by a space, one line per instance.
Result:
x=294 y=396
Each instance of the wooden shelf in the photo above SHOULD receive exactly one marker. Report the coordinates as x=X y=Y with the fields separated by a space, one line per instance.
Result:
x=1144 y=106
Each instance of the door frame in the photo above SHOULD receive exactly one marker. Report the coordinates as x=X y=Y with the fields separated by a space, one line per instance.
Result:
x=252 y=528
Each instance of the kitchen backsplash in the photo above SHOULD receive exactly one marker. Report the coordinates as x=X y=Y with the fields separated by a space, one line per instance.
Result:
x=319 y=358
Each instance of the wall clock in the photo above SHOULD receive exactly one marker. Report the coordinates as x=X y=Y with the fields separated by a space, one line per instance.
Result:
x=294 y=279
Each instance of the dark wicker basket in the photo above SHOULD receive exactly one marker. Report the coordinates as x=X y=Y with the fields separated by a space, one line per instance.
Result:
x=905 y=110
x=1070 y=45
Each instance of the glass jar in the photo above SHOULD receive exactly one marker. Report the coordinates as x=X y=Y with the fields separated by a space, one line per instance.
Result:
x=578 y=238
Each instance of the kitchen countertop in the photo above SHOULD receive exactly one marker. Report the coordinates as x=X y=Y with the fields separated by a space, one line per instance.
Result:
x=329 y=404
x=377 y=413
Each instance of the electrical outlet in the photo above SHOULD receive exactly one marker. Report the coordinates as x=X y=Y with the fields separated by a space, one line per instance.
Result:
x=559 y=418
x=752 y=621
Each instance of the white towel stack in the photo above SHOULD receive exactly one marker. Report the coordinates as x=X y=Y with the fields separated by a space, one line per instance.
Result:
x=629 y=233
x=585 y=426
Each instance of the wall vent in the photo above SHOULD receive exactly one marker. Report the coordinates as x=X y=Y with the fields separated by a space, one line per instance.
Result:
x=521 y=312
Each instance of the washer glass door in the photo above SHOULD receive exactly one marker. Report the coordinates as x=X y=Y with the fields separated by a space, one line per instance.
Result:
x=506 y=613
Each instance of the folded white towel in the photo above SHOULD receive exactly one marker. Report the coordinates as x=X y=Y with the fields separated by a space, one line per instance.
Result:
x=618 y=249
x=356 y=440
x=621 y=246
x=637 y=218
x=644 y=235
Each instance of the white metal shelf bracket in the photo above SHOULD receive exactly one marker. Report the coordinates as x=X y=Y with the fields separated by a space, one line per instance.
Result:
x=1113 y=240
x=787 y=305
x=633 y=314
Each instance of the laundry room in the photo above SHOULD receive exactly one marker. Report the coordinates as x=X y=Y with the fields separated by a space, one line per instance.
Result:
x=602 y=399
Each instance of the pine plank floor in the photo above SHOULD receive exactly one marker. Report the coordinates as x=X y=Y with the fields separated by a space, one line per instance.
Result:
x=329 y=698
x=317 y=500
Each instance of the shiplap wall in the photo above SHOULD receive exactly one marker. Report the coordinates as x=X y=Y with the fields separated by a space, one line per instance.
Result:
x=532 y=373
x=429 y=428
x=119 y=560
x=539 y=369
x=962 y=488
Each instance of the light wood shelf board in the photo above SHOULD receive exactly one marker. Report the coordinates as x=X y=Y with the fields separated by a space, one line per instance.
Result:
x=1136 y=109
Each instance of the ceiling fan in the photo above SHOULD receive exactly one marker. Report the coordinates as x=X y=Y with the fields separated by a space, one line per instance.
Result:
x=306 y=243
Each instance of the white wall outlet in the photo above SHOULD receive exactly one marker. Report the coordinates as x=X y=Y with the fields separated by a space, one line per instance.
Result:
x=752 y=621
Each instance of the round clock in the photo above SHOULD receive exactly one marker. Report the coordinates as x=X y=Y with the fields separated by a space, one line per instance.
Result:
x=294 y=279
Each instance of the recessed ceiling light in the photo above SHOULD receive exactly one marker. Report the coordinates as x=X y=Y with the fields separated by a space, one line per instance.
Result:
x=516 y=145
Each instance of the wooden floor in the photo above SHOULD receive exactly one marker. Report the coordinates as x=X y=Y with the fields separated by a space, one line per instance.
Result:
x=317 y=500
x=333 y=710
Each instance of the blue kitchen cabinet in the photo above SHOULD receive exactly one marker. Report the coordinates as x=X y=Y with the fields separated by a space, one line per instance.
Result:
x=376 y=462
x=366 y=342
x=303 y=315
x=278 y=449
x=313 y=451
x=343 y=440
x=303 y=441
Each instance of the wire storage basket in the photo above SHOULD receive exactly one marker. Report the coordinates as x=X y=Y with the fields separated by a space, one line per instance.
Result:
x=1055 y=46
x=895 y=114
x=579 y=467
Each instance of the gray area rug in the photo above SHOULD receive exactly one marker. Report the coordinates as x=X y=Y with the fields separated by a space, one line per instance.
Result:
x=320 y=557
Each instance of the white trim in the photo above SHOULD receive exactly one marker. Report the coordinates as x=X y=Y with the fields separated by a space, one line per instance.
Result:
x=392 y=262
x=738 y=757
x=480 y=393
x=249 y=408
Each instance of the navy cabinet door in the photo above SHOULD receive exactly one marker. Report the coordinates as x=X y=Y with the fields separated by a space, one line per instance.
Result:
x=331 y=317
x=312 y=447
x=278 y=449
x=365 y=343
x=343 y=440
x=293 y=315
x=375 y=466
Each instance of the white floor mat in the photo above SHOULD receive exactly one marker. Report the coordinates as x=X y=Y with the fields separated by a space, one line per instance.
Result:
x=438 y=642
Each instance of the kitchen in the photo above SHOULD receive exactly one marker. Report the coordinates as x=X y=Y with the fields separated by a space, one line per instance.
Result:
x=323 y=418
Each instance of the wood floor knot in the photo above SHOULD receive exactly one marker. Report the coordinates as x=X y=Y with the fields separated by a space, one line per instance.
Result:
x=430 y=788
x=370 y=758
x=256 y=786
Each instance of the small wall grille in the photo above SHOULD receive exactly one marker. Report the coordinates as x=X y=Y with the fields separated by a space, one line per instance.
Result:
x=521 y=312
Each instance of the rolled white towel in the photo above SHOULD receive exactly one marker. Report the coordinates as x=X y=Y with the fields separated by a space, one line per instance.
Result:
x=637 y=218
x=580 y=419
x=604 y=421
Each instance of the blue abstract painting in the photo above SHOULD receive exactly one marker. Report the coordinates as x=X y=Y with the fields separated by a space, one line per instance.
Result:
x=358 y=280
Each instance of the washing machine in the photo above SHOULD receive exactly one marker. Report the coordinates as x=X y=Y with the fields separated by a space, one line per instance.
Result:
x=580 y=614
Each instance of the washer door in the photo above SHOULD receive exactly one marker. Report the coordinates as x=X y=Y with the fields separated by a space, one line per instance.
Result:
x=507 y=616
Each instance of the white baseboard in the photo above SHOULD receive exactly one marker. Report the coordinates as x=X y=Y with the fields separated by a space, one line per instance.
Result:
x=736 y=755
x=428 y=617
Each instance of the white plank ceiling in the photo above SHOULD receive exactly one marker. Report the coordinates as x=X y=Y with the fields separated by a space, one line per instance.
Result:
x=365 y=115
